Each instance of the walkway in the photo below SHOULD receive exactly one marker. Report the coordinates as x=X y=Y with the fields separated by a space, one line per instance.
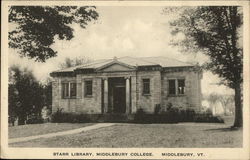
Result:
x=74 y=131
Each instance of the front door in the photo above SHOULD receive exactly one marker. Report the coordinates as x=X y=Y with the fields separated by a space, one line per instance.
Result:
x=119 y=99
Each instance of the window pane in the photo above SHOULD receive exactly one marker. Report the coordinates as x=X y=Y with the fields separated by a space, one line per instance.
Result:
x=72 y=89
x=171 y=86
x=181 y=86
x=88 y=87
x=146 y=86
x=65 y=90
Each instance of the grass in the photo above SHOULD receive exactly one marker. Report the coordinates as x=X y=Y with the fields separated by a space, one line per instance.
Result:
x=190 y=135
x=38 y=129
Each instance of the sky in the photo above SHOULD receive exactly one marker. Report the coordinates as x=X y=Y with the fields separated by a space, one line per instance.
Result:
x=121 y=31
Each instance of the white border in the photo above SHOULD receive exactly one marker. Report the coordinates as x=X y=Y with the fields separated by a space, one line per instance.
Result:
x=210 y=153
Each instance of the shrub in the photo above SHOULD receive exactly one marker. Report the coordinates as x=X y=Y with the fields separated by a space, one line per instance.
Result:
x=60 y=117
x=169 y=116
x=34 y=119
x=142 y=117
x=169 y=105
x=172 y=115
x=209 y=111
x=207 y=118
x=186 y=115
x=56 y=117
x=157 y=109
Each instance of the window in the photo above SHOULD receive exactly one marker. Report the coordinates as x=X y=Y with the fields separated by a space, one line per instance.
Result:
x=88 y=88
x=72 y=89
x=176 y=86
x=146 y=86
x=181 y=86
x=172 y=87
x=68 y=90
x=65 y=90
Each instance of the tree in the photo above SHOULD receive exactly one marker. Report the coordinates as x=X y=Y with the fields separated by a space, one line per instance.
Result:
x=213 y=98
x=71 y=62
x=47 y=93
x=227 y=103
x=25 y=94
x=35 y=27
x=215 y=32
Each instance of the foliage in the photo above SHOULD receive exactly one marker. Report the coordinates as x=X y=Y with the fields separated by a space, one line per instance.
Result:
x=209 y=111
x=175 y=115
x=227 y=102
x=142 y=117
x=26 y=94
x=213 y=98
x=35 y=27
x=34 y=119
x=207 y=118
x=157 y=109
x=215 y=31
x=186 y=115
x=61 y=117
x=71 y=62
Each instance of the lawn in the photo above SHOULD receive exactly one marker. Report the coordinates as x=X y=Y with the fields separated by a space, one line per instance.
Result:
x=38 y=129
x=191 y=135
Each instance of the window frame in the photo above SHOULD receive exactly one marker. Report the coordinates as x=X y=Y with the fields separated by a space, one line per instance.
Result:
x=73 y=83
x=174 y=86
x=184 y=86
x=67 y=94
x=143 y=86
x=177 y=93
x=86 y=94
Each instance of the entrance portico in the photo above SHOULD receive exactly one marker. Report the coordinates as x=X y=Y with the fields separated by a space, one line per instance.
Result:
x=116 y=95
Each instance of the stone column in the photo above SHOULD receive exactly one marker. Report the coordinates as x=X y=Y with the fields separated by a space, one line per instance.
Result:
x=128 y=110
x=105 y=100
x=59 y=91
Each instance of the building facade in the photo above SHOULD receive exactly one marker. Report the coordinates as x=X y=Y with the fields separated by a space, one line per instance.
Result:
x=123 y=85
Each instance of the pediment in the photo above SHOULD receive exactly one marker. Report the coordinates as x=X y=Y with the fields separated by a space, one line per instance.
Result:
x=114 y=67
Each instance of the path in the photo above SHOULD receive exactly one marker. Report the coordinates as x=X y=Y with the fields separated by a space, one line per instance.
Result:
x=74 y=131
x=201 y=124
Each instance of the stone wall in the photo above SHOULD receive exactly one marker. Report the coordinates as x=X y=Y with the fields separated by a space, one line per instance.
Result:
x=80 y=104
x=58 y=102
x=192 y=95
x=148 y=102
x=55 y=94
x=90 y=104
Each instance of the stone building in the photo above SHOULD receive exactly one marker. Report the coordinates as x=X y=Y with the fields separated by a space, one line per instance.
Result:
x=122 y=85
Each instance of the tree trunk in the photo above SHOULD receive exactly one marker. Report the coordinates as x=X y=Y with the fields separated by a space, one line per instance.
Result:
x=238 y=106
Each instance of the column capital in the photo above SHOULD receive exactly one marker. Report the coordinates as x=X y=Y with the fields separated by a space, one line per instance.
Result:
x=127 y=77
x=104 y=78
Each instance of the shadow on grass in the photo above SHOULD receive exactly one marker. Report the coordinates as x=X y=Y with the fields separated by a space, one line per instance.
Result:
x=224 y=129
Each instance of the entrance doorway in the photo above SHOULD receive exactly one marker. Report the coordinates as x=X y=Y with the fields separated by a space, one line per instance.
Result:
x=117 y=95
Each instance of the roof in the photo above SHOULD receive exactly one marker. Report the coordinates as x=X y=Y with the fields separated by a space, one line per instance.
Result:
x=131 y=61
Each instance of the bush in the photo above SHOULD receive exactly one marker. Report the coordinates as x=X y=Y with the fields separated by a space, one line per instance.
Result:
x=157 y=109
x=34 y=119
x=142 y=117
x=207 y=118
x=186 y=115
x=169 y=116
x=209 y=112
x=60 y=117
x=174 y=115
